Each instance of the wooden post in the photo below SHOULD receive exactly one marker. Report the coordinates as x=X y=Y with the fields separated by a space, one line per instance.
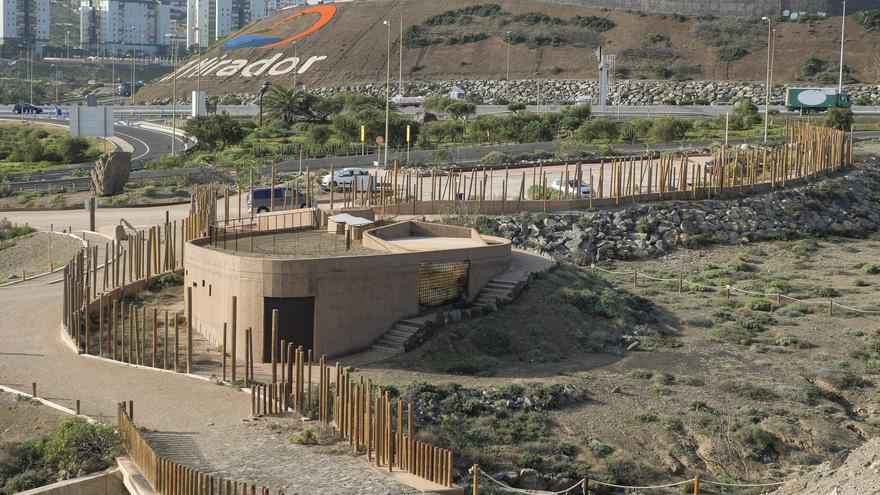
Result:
x=247 y=353
x=34 y=389
x=234 y=336
x=697 y=485
x=475 y=471
x=176 y=341
x=165 y=344
x=155 y=338
x=274 y=346
x=224 y=349
x=189 y=330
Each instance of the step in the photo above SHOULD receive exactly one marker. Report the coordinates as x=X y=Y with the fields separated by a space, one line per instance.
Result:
x=501 y=283
x=399 y=333
x=381 y=346
x=499 y=292
x=410 y=329
x=396 y=339
x=411 y=323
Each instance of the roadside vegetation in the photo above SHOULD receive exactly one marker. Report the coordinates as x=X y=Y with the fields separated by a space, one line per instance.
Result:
x=74 y=449
x=31 y=148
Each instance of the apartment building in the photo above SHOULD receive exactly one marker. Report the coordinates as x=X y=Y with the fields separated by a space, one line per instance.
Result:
x=24 y=22
x=124 y=26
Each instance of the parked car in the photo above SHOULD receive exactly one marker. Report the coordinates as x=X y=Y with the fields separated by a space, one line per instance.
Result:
x=258 y=199
x=345 y=178
x=26 y=108
x=124 y=89
x=572 y=188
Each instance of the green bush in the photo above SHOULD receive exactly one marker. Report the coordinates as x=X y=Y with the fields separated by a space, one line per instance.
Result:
x=528 y=460
x=786 y=341
x=640 y=374
x=825 y=292
x=645 y=417
x=871 y=268
x=600 y=449
x=169 y=280
x=78 y=447
x=758 y=304
x=305 y=437
x=869 y=19
x=165 y=162
x=72 y=149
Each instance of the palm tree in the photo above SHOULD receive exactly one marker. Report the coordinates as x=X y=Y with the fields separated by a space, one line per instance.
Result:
x=287 y=103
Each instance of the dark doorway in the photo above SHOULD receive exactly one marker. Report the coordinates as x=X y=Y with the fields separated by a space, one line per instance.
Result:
x=296 y=322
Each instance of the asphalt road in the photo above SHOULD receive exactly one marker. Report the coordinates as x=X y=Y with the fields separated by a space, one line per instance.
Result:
x=145 y=143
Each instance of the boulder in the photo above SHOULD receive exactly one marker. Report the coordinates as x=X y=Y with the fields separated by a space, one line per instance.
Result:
x=111 y=173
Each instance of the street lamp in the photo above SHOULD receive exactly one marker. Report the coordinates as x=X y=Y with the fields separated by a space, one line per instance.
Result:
x=263 y=89
x=507 y=78
x=768 y=89
x=387 y=93
x=133 y=70
x=173 y=92
x=55 y=70
x=842 y=33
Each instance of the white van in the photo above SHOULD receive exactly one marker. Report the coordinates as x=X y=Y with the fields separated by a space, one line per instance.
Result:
x=346 y=177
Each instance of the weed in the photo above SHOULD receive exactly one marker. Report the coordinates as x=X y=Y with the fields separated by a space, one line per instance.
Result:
x=672 y=424
x=305 y=437
x=528 y=460
x=871 y=268
x=733 y=334
x=786 y=341
x=645 y=417
x=824 y=292
x=658 y=390
x=640 y=374
x=858 y=282
x=663 y=379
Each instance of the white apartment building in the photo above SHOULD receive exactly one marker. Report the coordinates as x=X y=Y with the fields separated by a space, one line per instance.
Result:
x=217 y=18
x=124 y=26
x=25 y=22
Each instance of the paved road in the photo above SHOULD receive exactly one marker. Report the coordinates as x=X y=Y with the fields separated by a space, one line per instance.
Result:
x=196 y=422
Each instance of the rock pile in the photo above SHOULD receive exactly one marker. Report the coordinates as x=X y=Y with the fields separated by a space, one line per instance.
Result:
x=848 y=205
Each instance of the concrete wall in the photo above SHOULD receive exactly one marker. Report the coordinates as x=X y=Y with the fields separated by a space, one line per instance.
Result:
x=357 y=298
x=104 y=483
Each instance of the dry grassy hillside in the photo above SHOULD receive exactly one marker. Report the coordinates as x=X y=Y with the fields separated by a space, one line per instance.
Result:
x=448 y=39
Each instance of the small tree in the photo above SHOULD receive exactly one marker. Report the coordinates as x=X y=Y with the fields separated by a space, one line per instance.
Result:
x=461 y=109
x=516 y=107
x=73 y=149
x=437 y=104
x=216 y=131
x=745 y=115
x=839 y=118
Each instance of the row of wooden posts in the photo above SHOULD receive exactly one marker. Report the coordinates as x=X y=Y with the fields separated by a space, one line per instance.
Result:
x=805 y=151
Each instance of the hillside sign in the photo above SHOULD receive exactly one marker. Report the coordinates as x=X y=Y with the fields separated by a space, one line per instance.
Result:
x=227 y=65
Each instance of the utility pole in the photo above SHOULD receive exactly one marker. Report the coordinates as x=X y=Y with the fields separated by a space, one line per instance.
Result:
x=767 y=88
x=387 y=93
x=842 y=37
x=400 y=43
x=507 y=78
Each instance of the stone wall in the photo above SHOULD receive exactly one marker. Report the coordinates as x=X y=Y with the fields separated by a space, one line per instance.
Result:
x=724 y=8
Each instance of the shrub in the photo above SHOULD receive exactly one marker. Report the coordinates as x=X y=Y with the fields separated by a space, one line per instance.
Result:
x=645 y=417
x=600 y=449
x=822 y=291
x=871 y=268
x=78 y=447
x=169 y=280
x=305 y=437
x=528 y=460
x=72 y=149
x=165 y=162
x=857 y=282
x=592 y=22
x=786 y=341
x=755 y=437
x=731 y=53
x=640 y=374
x=869 y=19
x=758 y=304
x=840 y=118
x=746 y=390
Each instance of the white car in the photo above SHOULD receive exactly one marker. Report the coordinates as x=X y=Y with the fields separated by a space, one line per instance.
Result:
x=559 y=185
x=346 y=177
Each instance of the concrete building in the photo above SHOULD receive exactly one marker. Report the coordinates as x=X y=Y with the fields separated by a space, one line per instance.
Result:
x=124 y=26
x=335 y=301
x=25 y=22
x=233 y=15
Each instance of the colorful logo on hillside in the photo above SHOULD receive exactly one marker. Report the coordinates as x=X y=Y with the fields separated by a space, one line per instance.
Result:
x=326 y=13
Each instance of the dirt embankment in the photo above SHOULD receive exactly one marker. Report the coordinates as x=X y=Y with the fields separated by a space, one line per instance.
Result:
x=451 y=39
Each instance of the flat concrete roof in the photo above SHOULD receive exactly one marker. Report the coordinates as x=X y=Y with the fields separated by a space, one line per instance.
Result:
x=301 y=244
x=425 y=243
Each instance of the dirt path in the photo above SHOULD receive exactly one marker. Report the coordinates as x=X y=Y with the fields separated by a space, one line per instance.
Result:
x=200 y=422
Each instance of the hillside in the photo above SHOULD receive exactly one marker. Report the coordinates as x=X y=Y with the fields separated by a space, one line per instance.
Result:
x=449 y=39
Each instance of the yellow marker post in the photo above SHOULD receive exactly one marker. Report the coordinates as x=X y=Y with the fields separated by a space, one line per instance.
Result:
x=363 y=139
x=407 y=143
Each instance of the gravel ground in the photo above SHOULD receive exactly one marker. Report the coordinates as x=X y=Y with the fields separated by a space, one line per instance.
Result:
x=30 y=252
x=22 y=418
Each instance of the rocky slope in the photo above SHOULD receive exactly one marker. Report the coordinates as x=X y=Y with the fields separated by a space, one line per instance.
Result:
x=858 y=474
x=848 y=205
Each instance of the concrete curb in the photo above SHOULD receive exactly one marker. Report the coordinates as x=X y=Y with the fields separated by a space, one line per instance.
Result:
x=45 y=402
x=59 y=269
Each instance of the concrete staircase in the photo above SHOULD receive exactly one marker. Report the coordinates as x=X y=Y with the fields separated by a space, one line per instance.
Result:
x=394 y=340
x=496 y=292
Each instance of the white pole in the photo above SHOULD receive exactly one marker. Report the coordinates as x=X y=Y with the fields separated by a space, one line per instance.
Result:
x=726 y=128
x=508 y=58
x=842 y=34
x=174 y=56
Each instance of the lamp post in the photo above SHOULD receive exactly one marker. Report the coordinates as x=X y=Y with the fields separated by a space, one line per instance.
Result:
x=387 y=93
x=842 y=34
x=198 y=71
x=263 y=89
x=133 y=70
x=67 y=42
x=173 y=92
x=507 y=36
x=767 y=88
x=400 y=48
x=55 y=70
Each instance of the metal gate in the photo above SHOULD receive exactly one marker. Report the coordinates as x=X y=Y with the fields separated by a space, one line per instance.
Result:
x=441 y=282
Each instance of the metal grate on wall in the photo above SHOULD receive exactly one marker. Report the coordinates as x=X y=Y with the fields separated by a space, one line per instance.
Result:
x=442 y=282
